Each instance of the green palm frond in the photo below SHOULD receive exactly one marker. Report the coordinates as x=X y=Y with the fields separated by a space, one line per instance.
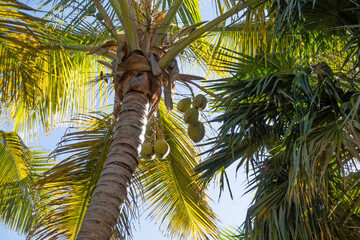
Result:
x=326 y=19
x=298 y=133
x=66 y=189
x=283 y=209
x=19 y=169
x=315 y=15
x=231 y=233
x=310 y=31
x=173 y=195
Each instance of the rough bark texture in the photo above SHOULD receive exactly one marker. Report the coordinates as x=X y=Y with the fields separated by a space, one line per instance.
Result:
x=122 y=160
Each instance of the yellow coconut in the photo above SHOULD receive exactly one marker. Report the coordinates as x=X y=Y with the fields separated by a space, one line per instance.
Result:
x=184 y=104
x=196 y=131
x=147 y=151
x=191 y=116
x=200 y=102
x=161 y=148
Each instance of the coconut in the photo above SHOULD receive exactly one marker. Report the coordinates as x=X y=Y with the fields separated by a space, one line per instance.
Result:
x=91 y=9
x=196 y=131
x=200 y=102
x=191 y=116
x=161 y=148
x=99 y=16
x=147 y=151
x=184 y=104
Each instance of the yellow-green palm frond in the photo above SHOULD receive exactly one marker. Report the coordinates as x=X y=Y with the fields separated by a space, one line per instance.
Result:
x=66 y=189
x=17 y=27
x=171 y=190
x=19 y=169
x=63 y=86
x=188 y=13
x=15 y=158
x=240 y=34
x=20 y=36
x=43 y=81
x=73 y=14
x=204 y=49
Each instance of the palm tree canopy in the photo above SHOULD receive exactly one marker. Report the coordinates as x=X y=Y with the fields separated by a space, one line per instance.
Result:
x=299 y=135
x=290 y=116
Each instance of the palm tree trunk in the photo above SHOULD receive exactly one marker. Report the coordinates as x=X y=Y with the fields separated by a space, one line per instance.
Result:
x=122 y=160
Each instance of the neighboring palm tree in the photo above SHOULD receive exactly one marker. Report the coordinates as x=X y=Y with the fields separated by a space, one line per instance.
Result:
x=290 y=116
x=299 y=133
x=45 y=65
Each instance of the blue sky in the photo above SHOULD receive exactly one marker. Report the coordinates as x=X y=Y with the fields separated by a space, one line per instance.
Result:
x=230 y=212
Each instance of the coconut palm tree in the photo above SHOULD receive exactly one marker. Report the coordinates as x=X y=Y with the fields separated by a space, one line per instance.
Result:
x=45 y=64
x=290 y=116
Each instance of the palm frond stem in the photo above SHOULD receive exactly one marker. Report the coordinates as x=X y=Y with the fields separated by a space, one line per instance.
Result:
x=204 y=90
x=125 y=12
x=165 y=23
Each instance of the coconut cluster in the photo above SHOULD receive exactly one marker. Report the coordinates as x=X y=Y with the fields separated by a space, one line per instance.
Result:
x=91 y=10
x=196 y=129
x=160 y=148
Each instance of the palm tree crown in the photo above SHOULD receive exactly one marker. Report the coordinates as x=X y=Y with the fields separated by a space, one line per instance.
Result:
x=45 y=72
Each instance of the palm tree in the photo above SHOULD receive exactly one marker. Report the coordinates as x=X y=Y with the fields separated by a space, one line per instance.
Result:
x=40 y=58
x=298 y=133
x=290 y=116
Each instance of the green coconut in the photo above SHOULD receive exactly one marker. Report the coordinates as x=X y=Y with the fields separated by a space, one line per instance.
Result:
x=147 y=151
x=200 y=102
x=161 y=148
x=99 y=16
x=191 y=116
x=196 y=131
x=184 y=104
x=91 y=9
